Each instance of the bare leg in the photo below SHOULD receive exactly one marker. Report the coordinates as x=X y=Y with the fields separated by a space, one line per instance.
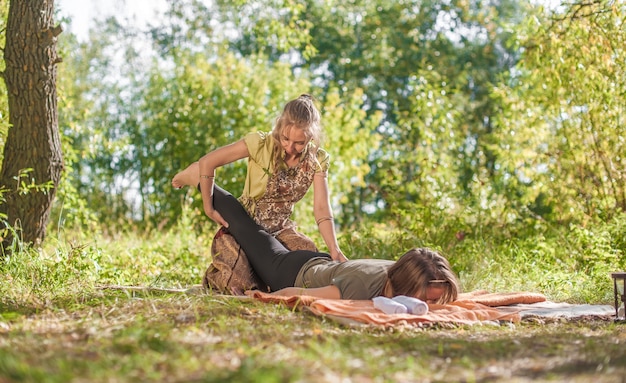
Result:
x=190 y=176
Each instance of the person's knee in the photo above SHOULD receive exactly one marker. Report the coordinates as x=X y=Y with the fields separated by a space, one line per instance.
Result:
x=226 y=204
x=221 y=197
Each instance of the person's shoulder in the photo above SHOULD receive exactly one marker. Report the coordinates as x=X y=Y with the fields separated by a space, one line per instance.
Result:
x=256 y=135
x=257 y=139
x=322 y=159
x=322 y=154
x=260 y=147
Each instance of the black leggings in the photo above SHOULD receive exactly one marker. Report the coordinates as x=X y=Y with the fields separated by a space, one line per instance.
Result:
x=270 y=259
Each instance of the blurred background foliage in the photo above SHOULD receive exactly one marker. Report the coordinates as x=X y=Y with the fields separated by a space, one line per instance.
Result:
x=451 y=123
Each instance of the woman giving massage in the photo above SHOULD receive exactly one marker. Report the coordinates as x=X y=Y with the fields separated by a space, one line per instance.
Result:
x=420 y=273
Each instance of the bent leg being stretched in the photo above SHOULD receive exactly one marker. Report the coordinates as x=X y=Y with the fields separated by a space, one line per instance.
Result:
x=270 y=259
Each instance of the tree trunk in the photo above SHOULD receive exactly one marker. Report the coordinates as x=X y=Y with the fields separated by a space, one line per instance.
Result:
x=33 y=138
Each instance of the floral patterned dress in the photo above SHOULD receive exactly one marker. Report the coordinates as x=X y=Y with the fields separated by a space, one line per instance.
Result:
x=284 y=188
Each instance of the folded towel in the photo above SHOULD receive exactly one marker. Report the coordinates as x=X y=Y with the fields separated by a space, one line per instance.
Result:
x=389 y=306
x=415 y=306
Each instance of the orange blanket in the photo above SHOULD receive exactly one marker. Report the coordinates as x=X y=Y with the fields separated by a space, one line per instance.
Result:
x=501 y=299
x=470 y=308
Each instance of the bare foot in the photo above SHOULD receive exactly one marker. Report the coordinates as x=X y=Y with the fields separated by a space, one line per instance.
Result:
x=188 y=177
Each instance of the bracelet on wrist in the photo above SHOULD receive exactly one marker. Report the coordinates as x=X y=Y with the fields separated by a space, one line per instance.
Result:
x=324 y=219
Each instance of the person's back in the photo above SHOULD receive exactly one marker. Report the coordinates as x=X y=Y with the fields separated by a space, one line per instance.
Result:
x=355 y=279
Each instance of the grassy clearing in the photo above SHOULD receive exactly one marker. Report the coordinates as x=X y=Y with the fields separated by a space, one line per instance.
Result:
x=115 y=336
x=57 y=323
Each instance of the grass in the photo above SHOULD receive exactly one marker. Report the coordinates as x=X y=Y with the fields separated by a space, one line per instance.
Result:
x=114 y=336
x=59 y=324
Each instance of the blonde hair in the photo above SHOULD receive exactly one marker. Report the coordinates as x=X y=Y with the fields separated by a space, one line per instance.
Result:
x=300 y=113
x=419 y=269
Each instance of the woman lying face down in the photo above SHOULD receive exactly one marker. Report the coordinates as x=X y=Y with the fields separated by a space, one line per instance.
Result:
x=421 y=273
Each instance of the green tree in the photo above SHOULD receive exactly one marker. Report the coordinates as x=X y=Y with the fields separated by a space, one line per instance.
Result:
x=428 y=151
x=279 y=29
x=388 y=49
x=32 y=161
x=382 y=47
x=563 y=126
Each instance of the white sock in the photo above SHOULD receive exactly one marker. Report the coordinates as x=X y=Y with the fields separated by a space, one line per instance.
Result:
x=415 y=306
x=389 y=306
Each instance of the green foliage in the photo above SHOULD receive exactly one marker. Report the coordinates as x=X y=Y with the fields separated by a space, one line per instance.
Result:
x=147 y=125
x=272 y=28
x=405 y=120
x=11 y=234
x=75 y=262
x=26 y=184
x=566 y=263
x=388 y=49
x=76 y=108
x=90 y=96
x=35 y=277
x=562 y=127
x=427 y=153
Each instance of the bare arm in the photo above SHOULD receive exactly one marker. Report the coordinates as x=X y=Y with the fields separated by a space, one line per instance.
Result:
x=322 y=213
x=326 y=292
x=207 y=165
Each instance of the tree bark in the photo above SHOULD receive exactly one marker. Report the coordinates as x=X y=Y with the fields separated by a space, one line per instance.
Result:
x=33 y=139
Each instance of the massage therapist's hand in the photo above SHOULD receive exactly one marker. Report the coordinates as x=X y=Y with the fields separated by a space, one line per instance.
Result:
x=337 y=255
x=215 y=216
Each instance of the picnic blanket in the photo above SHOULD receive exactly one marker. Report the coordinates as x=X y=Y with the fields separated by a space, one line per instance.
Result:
x=470 y=308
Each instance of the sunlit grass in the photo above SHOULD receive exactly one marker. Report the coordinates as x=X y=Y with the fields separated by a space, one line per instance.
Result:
x=178 y=337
